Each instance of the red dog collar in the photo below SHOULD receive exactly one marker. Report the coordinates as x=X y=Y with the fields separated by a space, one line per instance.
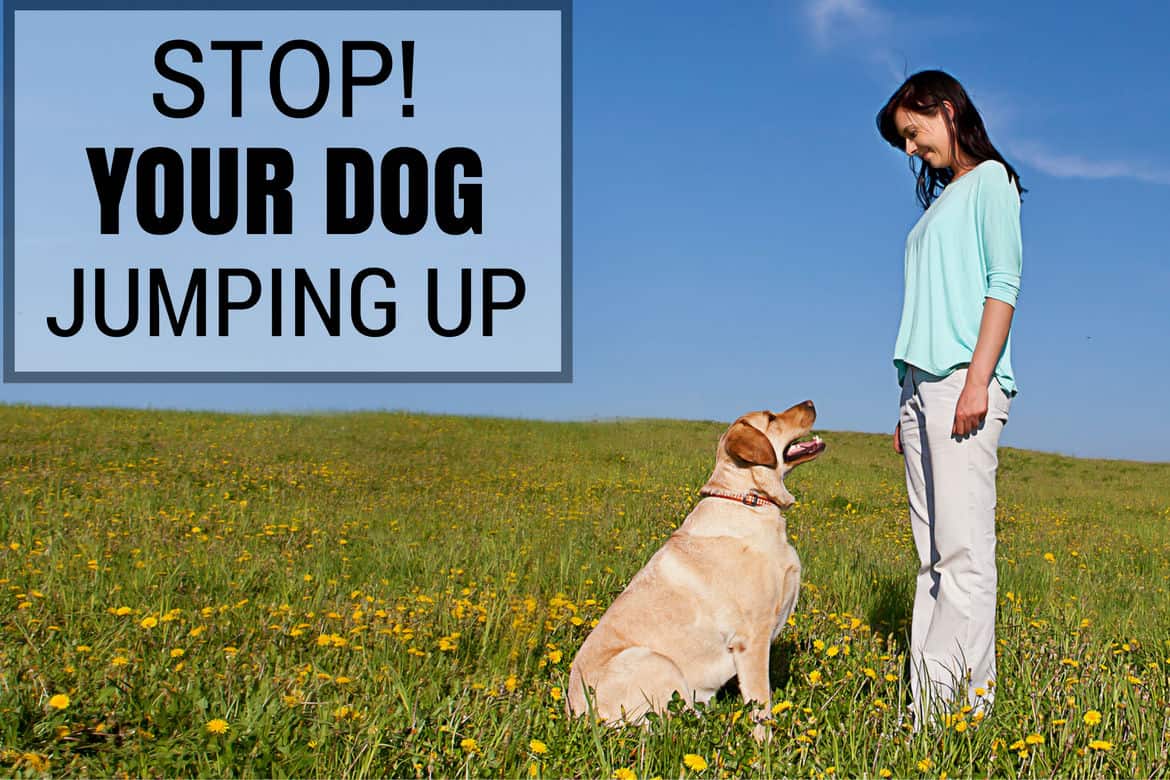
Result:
x=748 y=499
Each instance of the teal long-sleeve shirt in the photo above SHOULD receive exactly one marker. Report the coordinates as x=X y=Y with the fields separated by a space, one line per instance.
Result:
x=965 y=248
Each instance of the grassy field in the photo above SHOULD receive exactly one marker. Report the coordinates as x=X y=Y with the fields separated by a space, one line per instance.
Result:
x=391 y=594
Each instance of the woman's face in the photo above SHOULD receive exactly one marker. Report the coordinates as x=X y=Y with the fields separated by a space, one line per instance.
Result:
x=925 y=136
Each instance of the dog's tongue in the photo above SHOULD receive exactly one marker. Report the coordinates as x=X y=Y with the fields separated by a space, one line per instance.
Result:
x=799 y=449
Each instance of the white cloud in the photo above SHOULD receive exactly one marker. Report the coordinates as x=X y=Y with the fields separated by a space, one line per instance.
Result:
x=859 y=27
x=1071 y=166
x=831 y=20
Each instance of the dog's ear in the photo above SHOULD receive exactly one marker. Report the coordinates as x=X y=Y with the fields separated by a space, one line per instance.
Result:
x=750 y=445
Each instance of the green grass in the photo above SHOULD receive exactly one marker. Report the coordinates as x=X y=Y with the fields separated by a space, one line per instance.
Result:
x=392 y=594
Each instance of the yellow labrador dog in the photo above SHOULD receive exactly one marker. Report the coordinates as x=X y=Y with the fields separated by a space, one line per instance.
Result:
x=708 y=604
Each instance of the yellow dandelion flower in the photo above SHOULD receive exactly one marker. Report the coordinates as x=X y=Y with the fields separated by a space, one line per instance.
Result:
x=36 y=762
x=511 y=683
x=178 y=652
x=555 y=693
x=925 y=764
x=695 y=762
x=832 y=651
x=537 y=747
x=119 y=660
x=1100 y=744
x=961 y=726
x=217 y=726
x=624 y=774
x=883 y=772
x=1034 y=739
x=870 y=673
x=84 y=649
x=1092 y=718
x=469 y=745
x=149 y=622
x=533 y=769
x=781 y=707
x=1050 y=557
x=554 y=656
x=814 y=676
x=59 y=702
x=122 y=611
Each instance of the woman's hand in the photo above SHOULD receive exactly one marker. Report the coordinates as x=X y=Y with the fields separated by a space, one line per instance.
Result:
x=898 y=439
x=971 y=408
x=993 y=332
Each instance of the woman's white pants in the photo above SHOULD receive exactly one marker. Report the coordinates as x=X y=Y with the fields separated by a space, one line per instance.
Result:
x=951 y=486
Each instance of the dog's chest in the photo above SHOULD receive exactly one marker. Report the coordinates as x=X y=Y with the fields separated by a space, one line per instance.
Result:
x=738 y=578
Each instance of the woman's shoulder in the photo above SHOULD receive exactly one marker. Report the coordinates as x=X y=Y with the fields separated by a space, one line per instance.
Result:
x=993 y=181
x=993 y=170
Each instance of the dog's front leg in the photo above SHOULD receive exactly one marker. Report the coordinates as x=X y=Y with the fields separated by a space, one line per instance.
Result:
x=751 y=667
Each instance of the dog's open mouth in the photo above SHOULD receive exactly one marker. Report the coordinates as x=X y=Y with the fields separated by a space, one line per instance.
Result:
x=801 y=451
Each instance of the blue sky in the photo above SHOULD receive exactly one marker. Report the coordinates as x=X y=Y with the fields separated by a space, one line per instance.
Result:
x=739 y=223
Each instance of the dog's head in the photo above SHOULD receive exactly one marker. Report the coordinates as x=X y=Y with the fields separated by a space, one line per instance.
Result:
x=761 y=447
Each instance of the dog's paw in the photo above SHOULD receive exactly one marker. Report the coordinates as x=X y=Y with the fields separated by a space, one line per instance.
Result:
x=762 y=730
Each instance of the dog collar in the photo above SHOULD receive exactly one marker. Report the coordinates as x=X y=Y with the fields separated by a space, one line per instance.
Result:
x=748 y=499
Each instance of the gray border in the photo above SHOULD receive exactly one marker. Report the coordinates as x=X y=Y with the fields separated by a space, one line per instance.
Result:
x=565 y=375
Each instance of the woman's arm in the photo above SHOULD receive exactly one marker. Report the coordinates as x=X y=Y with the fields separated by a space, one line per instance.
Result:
x=993 y=332
x=997 y=211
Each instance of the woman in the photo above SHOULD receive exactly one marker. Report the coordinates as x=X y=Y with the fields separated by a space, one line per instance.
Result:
x=953 y=355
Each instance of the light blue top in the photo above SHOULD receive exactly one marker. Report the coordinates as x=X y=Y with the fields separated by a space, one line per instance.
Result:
x=966 y=247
